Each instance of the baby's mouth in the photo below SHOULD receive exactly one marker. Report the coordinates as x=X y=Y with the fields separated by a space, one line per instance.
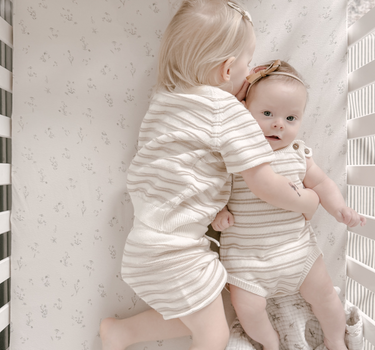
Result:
x=273 y=137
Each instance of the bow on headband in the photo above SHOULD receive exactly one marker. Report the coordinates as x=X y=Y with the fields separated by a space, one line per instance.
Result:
x=253 y=78
x=271 y=70
x=243 y=13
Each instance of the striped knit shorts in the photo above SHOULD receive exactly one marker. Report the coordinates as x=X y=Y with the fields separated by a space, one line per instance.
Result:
x=175 y=273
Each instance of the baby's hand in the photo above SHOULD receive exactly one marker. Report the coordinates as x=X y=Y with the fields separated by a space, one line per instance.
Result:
x=223 y=220
x=308 y=216
x=350 y=217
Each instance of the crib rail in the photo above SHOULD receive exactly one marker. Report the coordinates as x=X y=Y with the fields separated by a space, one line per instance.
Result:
x=361 y=28
x=366 y=231
x=6 y=45
x=361 y=175
x=361 y=127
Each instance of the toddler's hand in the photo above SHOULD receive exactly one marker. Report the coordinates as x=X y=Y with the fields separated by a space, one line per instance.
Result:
x=350 y=217
x=223 y=220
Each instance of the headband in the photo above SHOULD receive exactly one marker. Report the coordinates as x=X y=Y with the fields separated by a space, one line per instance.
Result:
x=242 y=12
x=271 y=70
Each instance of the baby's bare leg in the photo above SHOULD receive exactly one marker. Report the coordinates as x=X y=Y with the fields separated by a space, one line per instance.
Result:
x=147 y=326
x=317 y=289
x=208 y=327
x=252 y=314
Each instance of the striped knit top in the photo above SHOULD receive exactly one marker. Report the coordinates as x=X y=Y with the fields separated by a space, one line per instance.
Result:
x=260 y=216
x=188 y=145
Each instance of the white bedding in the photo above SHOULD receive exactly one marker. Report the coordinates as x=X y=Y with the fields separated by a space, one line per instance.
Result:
x=83 y=74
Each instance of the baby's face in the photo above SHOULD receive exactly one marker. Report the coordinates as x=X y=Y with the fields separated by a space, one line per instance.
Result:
x=278 y=108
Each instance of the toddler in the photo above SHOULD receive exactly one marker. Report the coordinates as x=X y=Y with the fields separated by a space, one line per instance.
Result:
x=194 y=134
x=269 y=251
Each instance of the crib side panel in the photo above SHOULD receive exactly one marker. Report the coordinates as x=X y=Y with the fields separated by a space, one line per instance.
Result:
x=361 y=170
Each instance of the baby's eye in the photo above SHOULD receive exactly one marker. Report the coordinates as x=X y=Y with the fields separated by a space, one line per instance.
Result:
x=290 y=118
x=267 y=113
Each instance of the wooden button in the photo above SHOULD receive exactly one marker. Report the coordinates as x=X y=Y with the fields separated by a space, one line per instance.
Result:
x=307 y=151
x=295 y=146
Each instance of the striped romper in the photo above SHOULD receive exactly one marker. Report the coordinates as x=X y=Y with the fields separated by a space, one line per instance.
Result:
x=269 y=251
x=178 y=181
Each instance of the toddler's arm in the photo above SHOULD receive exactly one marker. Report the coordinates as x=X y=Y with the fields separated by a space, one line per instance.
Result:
x=223 y=220
x=330 y=195
x=279 y=191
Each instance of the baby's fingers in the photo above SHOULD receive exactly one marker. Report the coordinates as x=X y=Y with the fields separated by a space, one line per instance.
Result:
x=362 y=220
x=351 y=218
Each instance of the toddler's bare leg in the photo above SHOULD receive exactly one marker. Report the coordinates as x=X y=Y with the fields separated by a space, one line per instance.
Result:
x=252 y=314
x=147 y=326
x=317 y=289
x=208 y=327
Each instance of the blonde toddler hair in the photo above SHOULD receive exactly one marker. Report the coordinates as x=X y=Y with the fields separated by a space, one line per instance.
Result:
x=202 y=35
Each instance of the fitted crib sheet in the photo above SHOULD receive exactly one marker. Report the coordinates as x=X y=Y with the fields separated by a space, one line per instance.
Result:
x=83 y=76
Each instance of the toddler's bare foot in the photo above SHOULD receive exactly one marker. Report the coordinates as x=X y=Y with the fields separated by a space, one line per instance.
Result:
x=113 y=334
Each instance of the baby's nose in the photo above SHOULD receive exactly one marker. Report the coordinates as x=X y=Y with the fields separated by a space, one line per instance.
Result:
x=278 y=123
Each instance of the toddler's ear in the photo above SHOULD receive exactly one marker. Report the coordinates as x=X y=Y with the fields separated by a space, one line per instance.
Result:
x=225 y=69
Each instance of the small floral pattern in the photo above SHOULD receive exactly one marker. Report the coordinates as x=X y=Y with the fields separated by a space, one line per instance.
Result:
x=83 y=76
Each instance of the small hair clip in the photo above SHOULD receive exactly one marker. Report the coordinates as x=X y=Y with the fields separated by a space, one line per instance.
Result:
x=242 y=12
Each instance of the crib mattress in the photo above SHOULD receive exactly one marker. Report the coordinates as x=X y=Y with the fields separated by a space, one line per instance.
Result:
x=83 y=76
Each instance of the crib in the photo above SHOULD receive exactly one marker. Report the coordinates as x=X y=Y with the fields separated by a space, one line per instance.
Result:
x=75 y=81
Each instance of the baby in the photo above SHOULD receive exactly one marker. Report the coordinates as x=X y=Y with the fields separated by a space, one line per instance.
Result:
x=268 y=251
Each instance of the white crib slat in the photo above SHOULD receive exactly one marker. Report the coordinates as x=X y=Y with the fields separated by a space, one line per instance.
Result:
x=5 y=79
x=361 y=77
x=5 y=122
x=368 y=328
x=4 y=174
x=361 y=27
x=361 y=127
x=361 y=175
x=6 y=32
x=4 y=316
x=4 y=269
x=360 y=273
x=4 y=221
x=366 y=231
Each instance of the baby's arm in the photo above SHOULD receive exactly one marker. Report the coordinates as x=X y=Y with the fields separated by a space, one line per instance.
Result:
x=330 y=195
x=223 y=220
x=279 y=191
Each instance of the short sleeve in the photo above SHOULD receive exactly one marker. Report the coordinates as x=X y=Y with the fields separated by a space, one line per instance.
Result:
x=242 y=142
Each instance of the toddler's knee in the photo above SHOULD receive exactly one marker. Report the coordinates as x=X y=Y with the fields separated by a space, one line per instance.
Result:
x=217 y=340
x=221 y=340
